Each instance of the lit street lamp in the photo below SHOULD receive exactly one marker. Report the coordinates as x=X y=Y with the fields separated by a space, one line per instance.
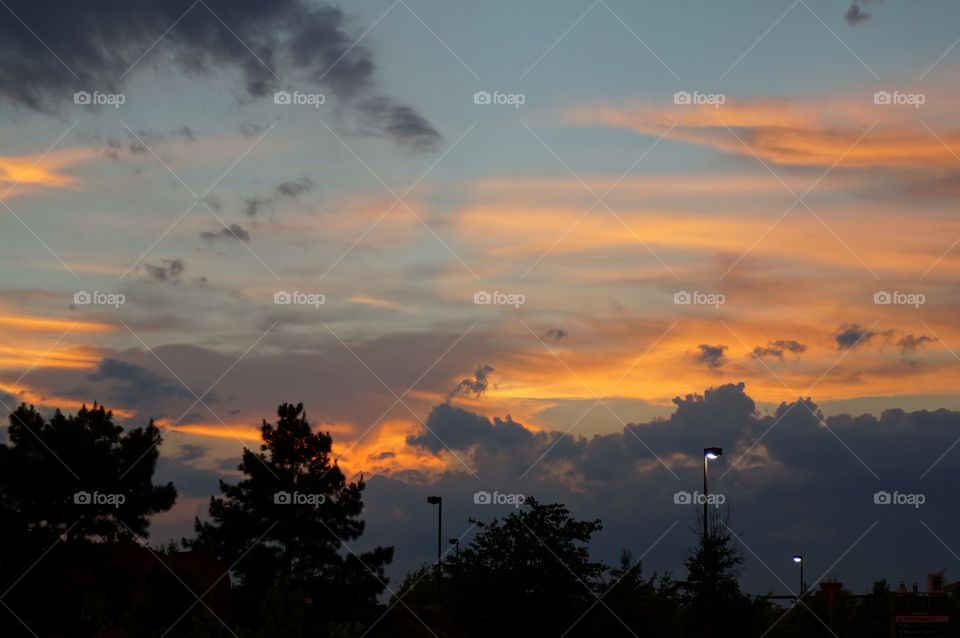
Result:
x=709 y=454
x=798 y=559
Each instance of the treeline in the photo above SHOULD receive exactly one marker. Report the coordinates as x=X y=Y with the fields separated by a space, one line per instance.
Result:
x=274 y=556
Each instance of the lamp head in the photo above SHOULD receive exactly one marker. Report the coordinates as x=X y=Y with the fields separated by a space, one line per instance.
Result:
x=434 y=500
x=798 y=558
x=712 y=452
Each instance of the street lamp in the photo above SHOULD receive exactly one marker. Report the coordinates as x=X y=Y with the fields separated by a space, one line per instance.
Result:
x=798 y=559
x=709 y=454
x=438 y=501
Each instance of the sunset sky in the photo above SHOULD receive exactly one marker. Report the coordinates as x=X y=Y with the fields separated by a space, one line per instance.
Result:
x=789 y=198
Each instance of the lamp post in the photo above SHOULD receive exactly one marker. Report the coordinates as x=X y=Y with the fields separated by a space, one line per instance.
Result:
x=438 y=501
x=798 y=559
x=709 y=454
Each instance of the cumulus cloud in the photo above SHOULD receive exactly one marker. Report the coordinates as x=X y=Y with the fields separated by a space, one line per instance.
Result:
x=912 y=343
x=476 y=385
x=169 y=270
x=776 y=349
x=98 y=50
x=855 y=15
x=712 y=356
x=852 y=335
x=799 y=478
x=459 y=429
x=795 y=435
x=295 y=188
x=234 y=232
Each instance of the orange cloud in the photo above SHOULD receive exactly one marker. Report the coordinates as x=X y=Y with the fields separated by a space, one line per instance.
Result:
x=25 y=173
x=32 y=356
x=237 y=432
x=790 y=133
x=40 y=324
x=43 y=399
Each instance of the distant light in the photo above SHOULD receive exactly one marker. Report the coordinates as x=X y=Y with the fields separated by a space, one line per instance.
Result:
x=797 y=558
x=712 y=452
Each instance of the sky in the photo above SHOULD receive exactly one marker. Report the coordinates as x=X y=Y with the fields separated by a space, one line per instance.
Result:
x=553 y=249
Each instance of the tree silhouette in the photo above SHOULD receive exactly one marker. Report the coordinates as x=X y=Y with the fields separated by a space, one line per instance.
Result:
x=529 y=573
x=76 y=491
x=80 y=476
x=290 y=521
x=711 y=593
x=648 y=606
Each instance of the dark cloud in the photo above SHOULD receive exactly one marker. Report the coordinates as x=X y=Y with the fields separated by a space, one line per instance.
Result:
x=475 y=386
x=137 y=143
x=799 y=484
x=143 y=136
x=712 y=356
x=253 y=206
x=912 y=343
x=234 y=233
x=852 y=335
x=191 y=481
x=190 y=452
x=555 y=334
x=94 y=50
x=229 y=465
x=295 y=188
x=128 y=384
x=100 y=46
x=855 y=15
x=459 y=429
x=777 y=348
x=170 y=270
x=383 y=117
